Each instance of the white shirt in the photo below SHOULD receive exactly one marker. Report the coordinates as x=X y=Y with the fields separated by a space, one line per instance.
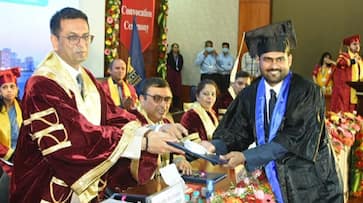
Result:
x=72 y=71
x=275 y=88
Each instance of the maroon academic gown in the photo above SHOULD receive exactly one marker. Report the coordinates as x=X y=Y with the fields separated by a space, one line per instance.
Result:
x=222 y=104
x=131 y=88
x=50 y=177
x=192 y=122
x=148 y=161
x=340 y=98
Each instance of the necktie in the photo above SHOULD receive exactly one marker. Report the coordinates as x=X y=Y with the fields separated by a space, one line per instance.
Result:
x=271 y=104
x=80 y=84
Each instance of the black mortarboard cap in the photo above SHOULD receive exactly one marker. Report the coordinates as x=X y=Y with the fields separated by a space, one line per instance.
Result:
x=273 y=37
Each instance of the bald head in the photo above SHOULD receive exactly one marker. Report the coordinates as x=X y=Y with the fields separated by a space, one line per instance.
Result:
x=117 y=69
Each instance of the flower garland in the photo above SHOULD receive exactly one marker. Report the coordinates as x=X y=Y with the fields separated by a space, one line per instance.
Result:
x=161 y=69
x=253 y=188
x=356 y=169
x=342 y=127
x=112 y=30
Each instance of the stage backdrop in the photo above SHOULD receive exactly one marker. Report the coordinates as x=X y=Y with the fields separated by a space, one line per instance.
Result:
x=144 y=12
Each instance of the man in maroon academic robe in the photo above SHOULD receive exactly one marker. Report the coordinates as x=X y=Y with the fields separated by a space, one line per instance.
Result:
x=242 y=80
x=349 y=68
x=155 y=100
x=72 y=133
x=123 y=94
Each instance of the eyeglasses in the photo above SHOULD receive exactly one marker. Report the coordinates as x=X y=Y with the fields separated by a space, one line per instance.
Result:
x=75 y=39
x=158 y=99
x=277 y=60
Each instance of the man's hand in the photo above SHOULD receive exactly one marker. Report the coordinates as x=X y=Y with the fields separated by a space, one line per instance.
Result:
x=184 y=166
x=234 y=159
x=128 y=103
x=208 y=146
x=174 y=129
x=157 y=143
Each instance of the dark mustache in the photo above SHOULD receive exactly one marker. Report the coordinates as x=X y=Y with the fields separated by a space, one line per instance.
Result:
x=274 y=70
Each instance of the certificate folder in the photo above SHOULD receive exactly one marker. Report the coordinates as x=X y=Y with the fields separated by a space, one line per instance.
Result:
x=213 y=158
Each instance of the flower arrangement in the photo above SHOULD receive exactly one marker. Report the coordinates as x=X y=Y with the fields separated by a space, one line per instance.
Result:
x=356 y=171
x=112 y=30
x=342 y=128
x=163 y=44
x=254 y=188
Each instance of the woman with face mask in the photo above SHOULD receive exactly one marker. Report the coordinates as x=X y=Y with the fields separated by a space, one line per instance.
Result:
x=10 y=112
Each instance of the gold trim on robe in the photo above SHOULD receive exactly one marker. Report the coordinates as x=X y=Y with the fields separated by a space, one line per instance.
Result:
x=89 y=105
x=163 y=159
x=46 y=132
x=208 y=124
x=116 y=97
x=357 y=68
x=231 y=92
x=84 y=187
x=5 y=130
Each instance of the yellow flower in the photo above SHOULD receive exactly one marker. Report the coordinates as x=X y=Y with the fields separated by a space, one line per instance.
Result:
x=108 y=42
x=109 y=30
x=163 y=36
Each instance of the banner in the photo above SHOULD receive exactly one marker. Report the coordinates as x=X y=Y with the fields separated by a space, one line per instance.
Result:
x=144 y=10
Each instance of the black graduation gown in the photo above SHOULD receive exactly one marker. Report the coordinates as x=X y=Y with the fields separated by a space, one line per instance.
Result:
x=307 y=171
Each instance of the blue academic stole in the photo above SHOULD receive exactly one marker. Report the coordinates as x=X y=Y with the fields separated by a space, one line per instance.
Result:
x=275 y=122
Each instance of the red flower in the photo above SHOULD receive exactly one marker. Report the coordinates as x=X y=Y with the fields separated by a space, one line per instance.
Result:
x=107 y=52
x=109 y=20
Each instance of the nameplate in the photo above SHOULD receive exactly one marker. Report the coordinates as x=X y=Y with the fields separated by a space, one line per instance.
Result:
x=171 y=194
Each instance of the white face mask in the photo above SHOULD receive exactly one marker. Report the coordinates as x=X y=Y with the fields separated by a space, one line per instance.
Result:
x=225 y=50
x=209 y=49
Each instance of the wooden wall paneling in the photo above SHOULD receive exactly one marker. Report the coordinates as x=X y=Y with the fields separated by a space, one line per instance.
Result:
x=252 y=14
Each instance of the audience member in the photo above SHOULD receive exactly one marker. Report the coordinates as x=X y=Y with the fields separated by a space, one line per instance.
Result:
x=201 y=118
x=284 y=113
x=323 y=72
x=175 y=65
x=10 y=120
x=242 y=80
x=225 y=63
x=207 y=61
x=72 y=133
x=122 y=93
x=10 y=112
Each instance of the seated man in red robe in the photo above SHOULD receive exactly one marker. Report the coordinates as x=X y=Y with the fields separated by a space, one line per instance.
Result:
x=72 y=133
x=122 y=93
x=241 y=81
x=155 y=101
